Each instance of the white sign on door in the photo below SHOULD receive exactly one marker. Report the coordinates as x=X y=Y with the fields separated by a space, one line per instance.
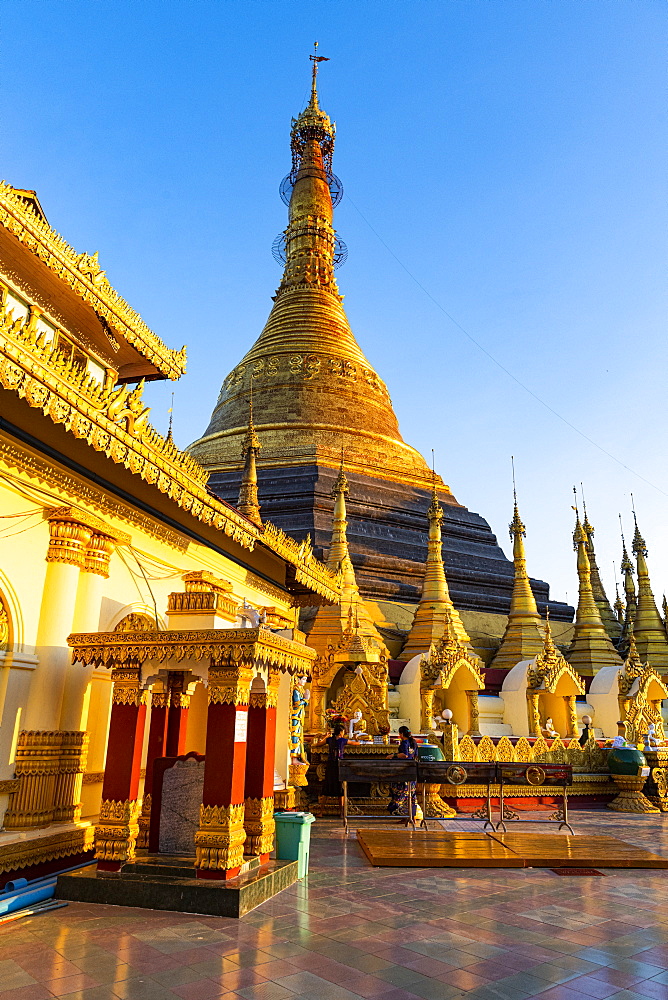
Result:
x=240 y=726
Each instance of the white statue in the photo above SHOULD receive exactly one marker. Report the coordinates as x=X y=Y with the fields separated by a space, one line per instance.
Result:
x=549 y=730
x=354 y=724
x=651 y=741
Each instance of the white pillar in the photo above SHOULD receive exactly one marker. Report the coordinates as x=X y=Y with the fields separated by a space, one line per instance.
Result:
x=65 y=559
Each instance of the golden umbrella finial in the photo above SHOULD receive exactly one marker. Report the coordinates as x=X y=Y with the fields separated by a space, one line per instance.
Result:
x=315 y=58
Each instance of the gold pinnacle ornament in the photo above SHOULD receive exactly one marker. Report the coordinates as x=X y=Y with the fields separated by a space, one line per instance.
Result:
x=522 y=639
x=435 y=607
x=608 y=616
x=648 y=628
x=591 y=647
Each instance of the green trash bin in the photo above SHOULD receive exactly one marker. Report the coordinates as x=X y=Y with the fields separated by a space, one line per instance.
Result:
x=293 y=838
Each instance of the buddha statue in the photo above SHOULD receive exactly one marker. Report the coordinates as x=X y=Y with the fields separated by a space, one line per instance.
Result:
x=548 y=731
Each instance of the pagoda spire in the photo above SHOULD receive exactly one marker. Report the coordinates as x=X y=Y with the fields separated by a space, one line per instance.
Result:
x=608 y=616
x=648 y=628
x=313 y=386
x=435 y=610
x=335 y=621
x=248 y=499
x=626 y=567
x=523 y=638
x=591 y=647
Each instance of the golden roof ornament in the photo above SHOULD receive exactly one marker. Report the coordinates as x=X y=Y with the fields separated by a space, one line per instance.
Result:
x=648 y=627
x=522 y=638
x=248 y=493
x=608 y=616
x=435 y=612
x=591 y=647
x=549 y=666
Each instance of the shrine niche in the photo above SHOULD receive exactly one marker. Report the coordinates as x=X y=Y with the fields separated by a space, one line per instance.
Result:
x=631 y=694
x=448 y=677
x=351 y=677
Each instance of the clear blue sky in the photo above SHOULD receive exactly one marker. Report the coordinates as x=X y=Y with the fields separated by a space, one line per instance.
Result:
x=512 y=155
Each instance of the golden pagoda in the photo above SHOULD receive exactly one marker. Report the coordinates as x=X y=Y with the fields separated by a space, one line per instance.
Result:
x=648 y=628
x=307 y=353
x=435 y=609
x=608 y=616
x=314 y=391
x=523 y=638
x=591 y=647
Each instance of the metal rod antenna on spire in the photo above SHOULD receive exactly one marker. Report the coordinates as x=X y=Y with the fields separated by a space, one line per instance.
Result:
x=575 y=508
x=512 y=462
x=584 y=502
x=621 y=528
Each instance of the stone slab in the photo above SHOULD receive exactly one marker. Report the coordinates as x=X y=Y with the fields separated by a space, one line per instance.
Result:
x=185 y=895
x=180 y=804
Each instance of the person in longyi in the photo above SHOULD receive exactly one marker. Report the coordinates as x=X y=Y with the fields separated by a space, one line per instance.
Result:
x=405 y=791
x=336 y=744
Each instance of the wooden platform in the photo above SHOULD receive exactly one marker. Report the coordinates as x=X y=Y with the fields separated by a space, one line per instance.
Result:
x=441 y=849
x=421 y=849
x=552 y=850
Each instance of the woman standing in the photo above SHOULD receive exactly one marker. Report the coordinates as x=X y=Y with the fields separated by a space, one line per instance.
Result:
x=401 y=793
x=336 y=744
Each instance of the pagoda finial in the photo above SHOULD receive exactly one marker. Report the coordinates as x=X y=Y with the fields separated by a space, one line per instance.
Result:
x=549 y=649
x=591 y=647
x=608 y=617
x=522 y=639
x=648 y=627
x=664 y=607
x=171 y=415
x=435 y=614
x=315 y=59
x=248 y=499
x=341 y=482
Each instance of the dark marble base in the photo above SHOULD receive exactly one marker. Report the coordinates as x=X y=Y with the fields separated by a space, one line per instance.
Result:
x=163 y=883
x=387 y=534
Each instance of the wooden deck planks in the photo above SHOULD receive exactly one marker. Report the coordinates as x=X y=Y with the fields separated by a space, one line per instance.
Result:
x=445 y=849
x=549 y=850
x=419 y=849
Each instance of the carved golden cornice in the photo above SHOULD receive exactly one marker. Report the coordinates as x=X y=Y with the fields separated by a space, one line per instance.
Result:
x=83 y=274
x=113 y=421
x=243 y=647
x=308 y=571
x=47 y=473
x=9 y=786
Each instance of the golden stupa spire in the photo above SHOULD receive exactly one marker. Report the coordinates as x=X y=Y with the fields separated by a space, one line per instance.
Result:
x=664 y=608
x=522 y=639
x=435 y=608
x=313 y=385
x=608 y=616
x=648 y=628
x=591 y=647
x=338 y=556
x=335 y=624
x=248 y=500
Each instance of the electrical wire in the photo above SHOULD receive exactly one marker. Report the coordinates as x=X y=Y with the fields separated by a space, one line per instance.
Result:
x=496 y=361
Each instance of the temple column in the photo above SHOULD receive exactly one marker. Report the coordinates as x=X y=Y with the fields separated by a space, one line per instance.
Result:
x=219 y=842
x=157 y=742
x=116 y=834
x=534 y=713
x=572 y=716
x=95 y=571
x=177 y=716
x=65 y=557
x=259 y=787
x=474 y=713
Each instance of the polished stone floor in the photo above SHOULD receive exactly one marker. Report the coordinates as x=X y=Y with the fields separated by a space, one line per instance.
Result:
x=353 y=931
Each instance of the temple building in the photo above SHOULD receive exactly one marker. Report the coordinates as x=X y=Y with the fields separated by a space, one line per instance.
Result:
x=141 y=618
x=314 y=393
